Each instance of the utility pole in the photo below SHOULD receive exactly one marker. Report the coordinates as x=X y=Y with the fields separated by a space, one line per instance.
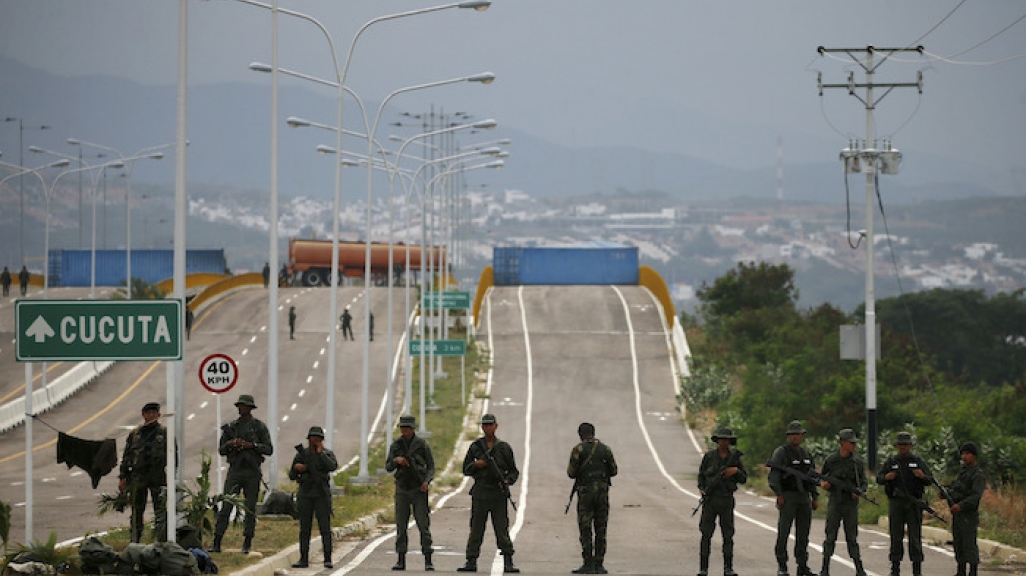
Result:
x=869 y=159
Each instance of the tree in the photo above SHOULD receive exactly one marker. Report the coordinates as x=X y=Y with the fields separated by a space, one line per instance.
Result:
x=747 y=288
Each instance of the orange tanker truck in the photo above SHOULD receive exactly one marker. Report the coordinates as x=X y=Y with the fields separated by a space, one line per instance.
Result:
x=311 y=259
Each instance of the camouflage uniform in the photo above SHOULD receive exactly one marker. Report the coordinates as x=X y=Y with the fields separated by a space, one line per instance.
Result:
x=408 y=481
x=719 y=500
x=143 y=467
x=489 y=498
x=592 y=465
x=244 y=473
x=967 y=491
x=843 y=507
x=797 y=501
x=313 y=498
x=904 y=494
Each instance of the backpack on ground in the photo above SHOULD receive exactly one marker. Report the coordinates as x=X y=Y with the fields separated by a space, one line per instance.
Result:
x=97 y=557
x=204 y=562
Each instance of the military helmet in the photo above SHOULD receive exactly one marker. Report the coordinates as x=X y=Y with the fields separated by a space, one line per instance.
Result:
x=489 y=419
x=904 y=438
x=408 y=421
x=315 y=431
x=724 y=433
x=246 y=399
x=151 y=406
x=795 y=427
x=847 y=435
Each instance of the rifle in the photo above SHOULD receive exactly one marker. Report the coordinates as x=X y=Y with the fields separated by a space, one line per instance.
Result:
x=799 y=476
x=498 y=474
x=573 y=491
x=846 y=487
x=925 y=507
x=943 y=492
x=734 y=460
x=245 y=455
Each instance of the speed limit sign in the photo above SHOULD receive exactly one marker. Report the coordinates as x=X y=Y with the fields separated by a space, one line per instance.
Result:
x=218 y=373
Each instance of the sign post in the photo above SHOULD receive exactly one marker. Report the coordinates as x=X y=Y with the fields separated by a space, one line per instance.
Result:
x=98 y=330
x=218 y=373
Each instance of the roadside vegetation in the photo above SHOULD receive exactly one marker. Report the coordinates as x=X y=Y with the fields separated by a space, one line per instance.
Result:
x=952 y=369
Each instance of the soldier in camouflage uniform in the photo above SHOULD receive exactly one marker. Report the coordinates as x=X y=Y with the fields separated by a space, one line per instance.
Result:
x=311 y=469
x=592 y=465
x=719 y=474
x=488 y=495
x=904 y=477
x=414 y=466
x=143 y=467
x=796 y=499
x=966 y=492
x=843 y=508
x=245 y=442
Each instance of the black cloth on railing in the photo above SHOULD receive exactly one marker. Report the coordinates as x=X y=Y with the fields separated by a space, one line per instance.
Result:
x=96 y=457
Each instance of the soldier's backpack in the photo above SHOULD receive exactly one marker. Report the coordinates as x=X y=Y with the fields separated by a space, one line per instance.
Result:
x=97 y=557
x=142 y=558
x=175 y=560
x=204 y=562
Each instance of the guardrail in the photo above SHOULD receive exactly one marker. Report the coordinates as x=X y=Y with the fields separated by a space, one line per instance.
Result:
x=12 y=414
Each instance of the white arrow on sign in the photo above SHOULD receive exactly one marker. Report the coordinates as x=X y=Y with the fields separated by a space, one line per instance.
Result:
x=40 y=330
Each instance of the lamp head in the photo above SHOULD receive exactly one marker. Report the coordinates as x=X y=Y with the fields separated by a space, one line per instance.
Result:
x=74 y=142
x=324 y=149
x=490 y=151
x=62 y=163
x=484 y=78
x=478 y=5
x=36 y=149
x=260 y=67
x=115 y=164
x=485 y=124
x=296 y=122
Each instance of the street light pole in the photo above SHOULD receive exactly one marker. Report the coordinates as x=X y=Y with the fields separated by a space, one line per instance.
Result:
x=21 y=181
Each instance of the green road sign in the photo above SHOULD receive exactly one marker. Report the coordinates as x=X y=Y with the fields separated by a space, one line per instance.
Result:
x=98 y=330
x=450 y=300
x=441 y=347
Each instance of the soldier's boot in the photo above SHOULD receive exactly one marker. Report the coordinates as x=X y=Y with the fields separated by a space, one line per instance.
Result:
x=304 y=556
x=826 y=567
x=703 y=565
x=960 y=569
x=860 y=570
x=588 y=567
x=507 y=565
x=973 y=569
x=599 y=567
x=782 y=569
x=917 y=569
x=728 y=566
x=216 y=546
x=803 y=570
x=247 y=544
x=428 y=565
x=400 y=562
x=327 y=552
x=896 y=569
x=470 y=566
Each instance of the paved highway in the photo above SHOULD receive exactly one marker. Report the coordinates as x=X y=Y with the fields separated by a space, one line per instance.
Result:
x=563 y=355
x=65 y=501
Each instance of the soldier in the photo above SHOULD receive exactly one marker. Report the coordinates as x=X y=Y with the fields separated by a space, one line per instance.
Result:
x=796 y=498
x=843 y=507
x=966 y=493
x=719 y=474
x=410 y=458
x=592 y=465
x=347 y=324
x=5 y=279
x=370 y=326
x=311 y=468
x=143 y=467
x=23 y=279
x=266 y=273
x=905 y=477
x=485 y=456
x=292 y=322
x=245 y=442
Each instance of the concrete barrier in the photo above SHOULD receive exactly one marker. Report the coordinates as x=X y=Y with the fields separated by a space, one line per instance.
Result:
x=64 y=386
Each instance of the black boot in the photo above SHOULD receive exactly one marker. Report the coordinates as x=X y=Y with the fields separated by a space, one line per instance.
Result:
x=917 y=569
x=470 y=566
x=428 y=566
x=896 y=569
x=507 y=565
x=247 y=544
x=860 y=570
x=960 y=569
x=973 y=568
x=803 y=570
x=588 y=567
x=216 y=546
x=782 y=569
x=826 y=567
x=400 y=562
x=599 y=568
x=728 y=566
x=327 y=552
x=303 y=563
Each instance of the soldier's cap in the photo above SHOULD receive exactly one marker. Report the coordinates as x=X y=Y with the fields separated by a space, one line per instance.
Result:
x=489 y=419
x=724 y=433
x=315 y=431
x=847 y=435
x=246 y=399
x=795 y=427
x=407 y=421
x=969 y=447
x=904 y=438
x=151 y=406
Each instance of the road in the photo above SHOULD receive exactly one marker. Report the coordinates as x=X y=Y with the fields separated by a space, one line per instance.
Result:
x=563 y=355
x=64 y=500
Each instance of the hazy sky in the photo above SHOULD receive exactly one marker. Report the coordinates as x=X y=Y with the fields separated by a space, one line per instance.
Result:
x=658 y=75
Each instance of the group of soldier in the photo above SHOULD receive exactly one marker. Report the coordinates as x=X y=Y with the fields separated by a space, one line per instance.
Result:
x=23 y=280
x=490 y=461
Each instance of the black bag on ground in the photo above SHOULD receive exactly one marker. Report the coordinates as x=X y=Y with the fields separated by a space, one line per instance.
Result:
x=97 y=557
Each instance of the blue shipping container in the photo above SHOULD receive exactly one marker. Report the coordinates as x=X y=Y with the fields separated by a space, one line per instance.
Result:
x=565 y=266
x=73 y=267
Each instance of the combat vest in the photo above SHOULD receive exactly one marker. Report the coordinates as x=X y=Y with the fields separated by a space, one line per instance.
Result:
x=145 y=455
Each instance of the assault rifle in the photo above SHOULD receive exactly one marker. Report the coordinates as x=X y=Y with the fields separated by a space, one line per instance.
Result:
x=245 y=455
x=845 y=487
x=494 y=466
x=943 y=492
x=573 y=491
x=799 y=476
x=734 y=460
x=925 y=507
